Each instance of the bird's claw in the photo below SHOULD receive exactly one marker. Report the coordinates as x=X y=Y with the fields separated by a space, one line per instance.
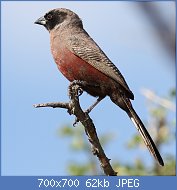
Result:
x=79 y=91
x=78 y=85
x=87 y=111
x=75 y=122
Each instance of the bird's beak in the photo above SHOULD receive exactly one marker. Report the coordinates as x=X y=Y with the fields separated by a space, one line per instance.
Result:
x=41 y=21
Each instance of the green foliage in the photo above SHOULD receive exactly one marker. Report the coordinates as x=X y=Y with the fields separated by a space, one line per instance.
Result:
x=159 y=124
x=79 y=143
x=138 y=168
x=173 y=93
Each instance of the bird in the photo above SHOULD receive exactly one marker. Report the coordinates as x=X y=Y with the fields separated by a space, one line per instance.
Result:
x=79 y=58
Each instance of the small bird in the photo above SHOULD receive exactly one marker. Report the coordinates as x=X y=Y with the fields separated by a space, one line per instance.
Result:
x=79 y=58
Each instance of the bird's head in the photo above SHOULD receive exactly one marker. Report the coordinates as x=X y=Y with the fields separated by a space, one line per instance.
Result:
x=59 y=17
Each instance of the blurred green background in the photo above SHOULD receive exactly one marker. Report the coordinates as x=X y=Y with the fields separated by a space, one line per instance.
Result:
x=139 y=37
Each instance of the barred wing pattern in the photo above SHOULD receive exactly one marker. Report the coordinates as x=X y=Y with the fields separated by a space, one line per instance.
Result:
x=89 y=51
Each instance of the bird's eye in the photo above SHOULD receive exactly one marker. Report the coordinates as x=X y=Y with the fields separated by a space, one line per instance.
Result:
x=49 y=16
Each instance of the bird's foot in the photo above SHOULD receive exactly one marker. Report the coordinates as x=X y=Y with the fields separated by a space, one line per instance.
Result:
x=75 y=122
x=78 y=85
x=93 y=105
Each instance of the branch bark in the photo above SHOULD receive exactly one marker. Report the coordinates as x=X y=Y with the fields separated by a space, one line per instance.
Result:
x=74 y=108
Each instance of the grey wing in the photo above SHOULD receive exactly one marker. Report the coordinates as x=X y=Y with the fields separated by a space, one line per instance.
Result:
x=89 y=51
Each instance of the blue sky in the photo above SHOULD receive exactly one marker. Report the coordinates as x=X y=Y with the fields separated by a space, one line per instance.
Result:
x=30 y=145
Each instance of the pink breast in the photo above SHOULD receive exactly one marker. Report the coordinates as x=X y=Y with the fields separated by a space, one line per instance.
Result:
x=74 y=68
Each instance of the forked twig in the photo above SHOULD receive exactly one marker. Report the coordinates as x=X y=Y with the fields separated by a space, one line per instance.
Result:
x=74 y=108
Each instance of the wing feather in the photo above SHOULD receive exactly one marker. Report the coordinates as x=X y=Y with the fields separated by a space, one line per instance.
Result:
x=89 y=51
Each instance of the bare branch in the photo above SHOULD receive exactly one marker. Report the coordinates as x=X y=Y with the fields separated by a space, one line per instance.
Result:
x=53 y=105
x=74 y=108
x=149 y=94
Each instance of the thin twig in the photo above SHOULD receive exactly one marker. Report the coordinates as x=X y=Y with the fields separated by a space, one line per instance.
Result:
x=53 y=105
x=149 y=94
x=74 y=108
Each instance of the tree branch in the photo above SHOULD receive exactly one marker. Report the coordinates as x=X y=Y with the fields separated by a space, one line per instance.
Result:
x=149 y=94
x=74 y=108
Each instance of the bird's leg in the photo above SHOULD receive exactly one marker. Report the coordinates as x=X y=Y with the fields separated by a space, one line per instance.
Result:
x=93 y=105
x=82 y=84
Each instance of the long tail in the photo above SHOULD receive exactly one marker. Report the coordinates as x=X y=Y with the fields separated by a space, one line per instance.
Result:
x=125 y=104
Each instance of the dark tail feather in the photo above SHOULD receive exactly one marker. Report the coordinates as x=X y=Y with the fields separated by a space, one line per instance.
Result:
x=144 y=133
